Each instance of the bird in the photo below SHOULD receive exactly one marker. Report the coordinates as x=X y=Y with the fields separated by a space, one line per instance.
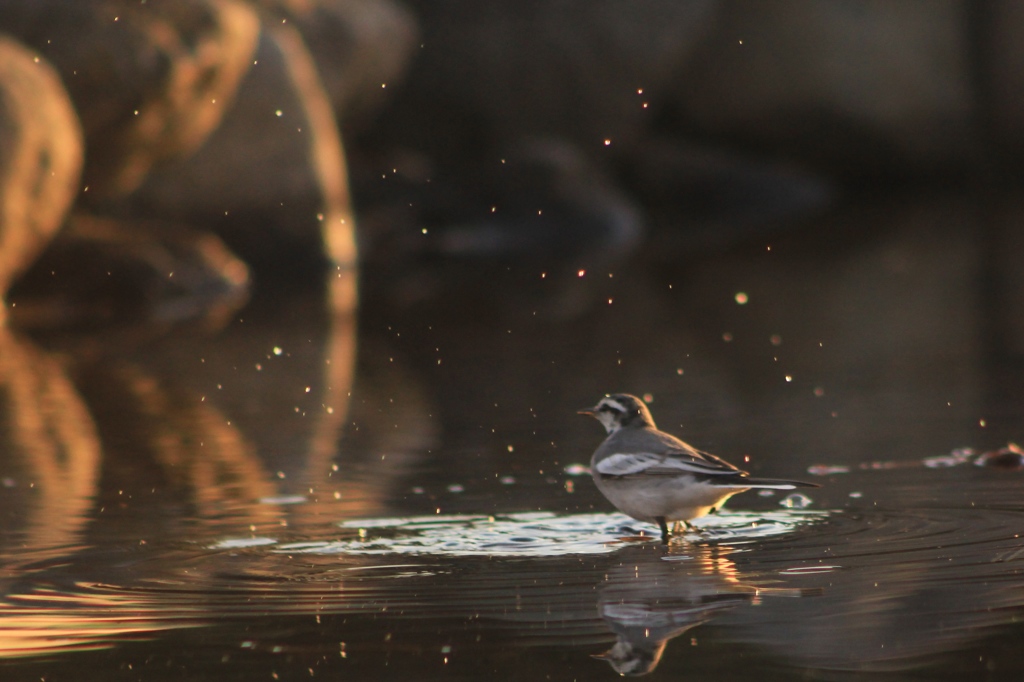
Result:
x=654 y=477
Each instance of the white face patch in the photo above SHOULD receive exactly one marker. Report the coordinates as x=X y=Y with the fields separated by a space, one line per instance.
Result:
x=610 y=418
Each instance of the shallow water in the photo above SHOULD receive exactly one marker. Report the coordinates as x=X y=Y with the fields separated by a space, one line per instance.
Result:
x=301 y=496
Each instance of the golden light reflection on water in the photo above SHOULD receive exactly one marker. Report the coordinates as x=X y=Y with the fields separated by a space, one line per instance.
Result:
x=613 y=586
x=48 y=622
x=185 y=447
x=250 y=485
x=52 y=451
x=63 y=417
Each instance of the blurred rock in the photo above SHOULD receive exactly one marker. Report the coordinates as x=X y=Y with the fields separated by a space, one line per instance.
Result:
x=149 y=80
x=272 y=179
x=106 y=273
x=547 y=201
x=721 y=197
x=40 y=157
x=596 y=79
x=490 y=72
x=361 y=47
x=548 y=207
x=858 y=87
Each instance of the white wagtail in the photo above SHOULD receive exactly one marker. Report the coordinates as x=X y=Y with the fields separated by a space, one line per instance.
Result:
x=655 y=477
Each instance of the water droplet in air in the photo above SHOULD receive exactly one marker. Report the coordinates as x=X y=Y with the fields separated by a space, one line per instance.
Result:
x=795 y=501
x=828 y=469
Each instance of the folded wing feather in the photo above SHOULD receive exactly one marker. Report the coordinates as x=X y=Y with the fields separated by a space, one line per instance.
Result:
x=623 y=464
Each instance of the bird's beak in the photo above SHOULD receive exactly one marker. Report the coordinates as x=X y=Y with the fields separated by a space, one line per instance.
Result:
x=590 y=411
x=605 y=656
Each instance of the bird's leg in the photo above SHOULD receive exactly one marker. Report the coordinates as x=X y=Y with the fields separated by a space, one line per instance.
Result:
x=681 y=526
x=664 y=529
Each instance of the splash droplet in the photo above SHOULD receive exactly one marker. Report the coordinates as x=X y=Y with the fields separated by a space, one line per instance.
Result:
x=795 y=501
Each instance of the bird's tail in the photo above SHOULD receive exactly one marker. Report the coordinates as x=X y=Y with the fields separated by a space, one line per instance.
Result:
x=777 y=484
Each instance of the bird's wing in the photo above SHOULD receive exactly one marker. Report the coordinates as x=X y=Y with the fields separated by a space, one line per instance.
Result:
x=667 y=464
x=717 y=461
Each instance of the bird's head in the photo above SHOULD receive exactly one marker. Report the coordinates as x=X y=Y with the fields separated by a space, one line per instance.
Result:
x=620 y=410
x=633 y=659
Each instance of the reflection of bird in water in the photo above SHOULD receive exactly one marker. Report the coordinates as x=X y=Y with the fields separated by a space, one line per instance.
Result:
x=655 y=477
x=646 y=601
x=650 y=598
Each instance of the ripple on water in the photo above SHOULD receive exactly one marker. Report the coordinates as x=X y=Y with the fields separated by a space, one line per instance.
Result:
x=539 y=534
x=928 y=579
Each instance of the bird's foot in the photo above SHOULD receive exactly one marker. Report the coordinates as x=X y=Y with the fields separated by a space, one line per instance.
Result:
x=663 y=525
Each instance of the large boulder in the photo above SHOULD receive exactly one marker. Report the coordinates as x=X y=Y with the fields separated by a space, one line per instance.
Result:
x=362 y=48
x=149 y=80
x=271 y=180
x=40 y=157
x=582 y=70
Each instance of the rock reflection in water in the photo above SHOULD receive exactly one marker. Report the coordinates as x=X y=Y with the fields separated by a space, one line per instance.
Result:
x=51 y=456
x=180 y=460
x=248 y=464
x=174 y=446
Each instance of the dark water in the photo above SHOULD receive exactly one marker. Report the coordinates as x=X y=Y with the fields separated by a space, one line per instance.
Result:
x=303 y=496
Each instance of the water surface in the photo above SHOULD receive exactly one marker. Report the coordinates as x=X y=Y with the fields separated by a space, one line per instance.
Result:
x=303 y=495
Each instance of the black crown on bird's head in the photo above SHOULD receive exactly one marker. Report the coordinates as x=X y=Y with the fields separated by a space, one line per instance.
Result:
x=618 y=410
